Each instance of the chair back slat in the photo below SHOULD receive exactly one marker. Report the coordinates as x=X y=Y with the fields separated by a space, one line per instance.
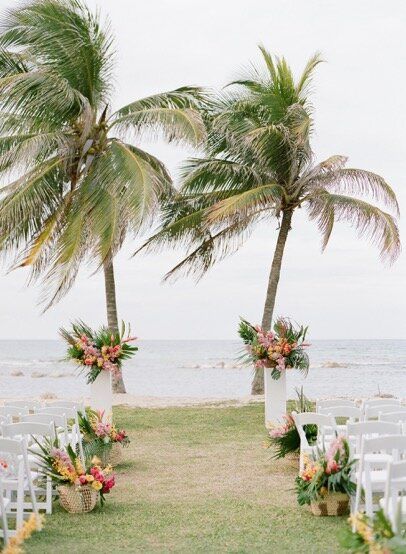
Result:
x=350 y=412
x=375 y=410
x=395 y=417
x=331 y=402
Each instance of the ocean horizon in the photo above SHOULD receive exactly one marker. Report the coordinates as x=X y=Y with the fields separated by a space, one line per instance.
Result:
x=207 y=369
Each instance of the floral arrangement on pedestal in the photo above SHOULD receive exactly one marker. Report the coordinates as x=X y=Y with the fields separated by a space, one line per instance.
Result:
x=326 y=479
x=96 y=351
x=280 y=349
x=77 y=482
x=284 y=438
x=372 y=535
x=101 y=436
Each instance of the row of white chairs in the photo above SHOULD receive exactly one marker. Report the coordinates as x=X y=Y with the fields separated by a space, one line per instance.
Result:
x=368 y=409
x=17 y=491
x=21 y=492
x=376 y=446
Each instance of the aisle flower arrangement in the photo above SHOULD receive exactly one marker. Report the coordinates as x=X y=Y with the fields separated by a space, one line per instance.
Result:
x=100 y=435
x=280 y=349
x=325 y=482
x=372 y=535
x=79 y=484
x=284 y=439
x=96 y=351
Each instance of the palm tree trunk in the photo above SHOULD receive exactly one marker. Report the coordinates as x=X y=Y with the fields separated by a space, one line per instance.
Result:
x=258 y=381
x=112 y=319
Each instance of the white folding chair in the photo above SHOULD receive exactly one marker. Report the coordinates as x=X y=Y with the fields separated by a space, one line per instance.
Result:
x=79 y=405
x=17 y=480
x=75 y=437
x=57 y=421
x=332 y=402
x=374 y=412
x=29 y=404
x=369 y=429
x=15 y=412
x=323 y=422
x=394 y=502
x=4 y=504
x=371 y=473
x=369 y=402
x=349 y=413
x=39 y=431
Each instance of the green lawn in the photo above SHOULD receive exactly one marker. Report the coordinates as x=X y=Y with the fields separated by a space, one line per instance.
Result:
x=195 y=480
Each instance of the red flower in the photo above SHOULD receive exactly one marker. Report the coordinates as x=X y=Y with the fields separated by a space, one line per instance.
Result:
x=108 y=485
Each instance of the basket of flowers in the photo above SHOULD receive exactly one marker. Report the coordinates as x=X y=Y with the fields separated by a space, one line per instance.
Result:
x=325 y=482
x=280 y=349
x=78 y=484
x=96 y=351
x=102 y=437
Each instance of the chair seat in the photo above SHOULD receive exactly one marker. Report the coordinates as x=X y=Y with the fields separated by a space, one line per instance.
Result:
x=400 y=509
x=377 y=479
x=375 y=458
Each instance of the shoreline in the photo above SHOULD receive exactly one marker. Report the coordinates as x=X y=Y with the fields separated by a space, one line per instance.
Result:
x=134 y=401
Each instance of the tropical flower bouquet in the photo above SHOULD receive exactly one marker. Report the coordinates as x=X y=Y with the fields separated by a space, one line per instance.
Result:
x=100 y=435
x=280 y=349
x=325 y=482
x=284 y=439
x=372 y=535
x=79 y=485
x=96 y=351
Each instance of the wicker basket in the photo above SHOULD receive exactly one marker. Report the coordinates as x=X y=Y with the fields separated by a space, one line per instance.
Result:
x=113 y=455
x=333 y=504
x=77 y=500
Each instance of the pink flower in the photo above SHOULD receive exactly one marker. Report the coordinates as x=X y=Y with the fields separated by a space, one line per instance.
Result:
x=82 y=480
x=332 y=466
x=108 y=485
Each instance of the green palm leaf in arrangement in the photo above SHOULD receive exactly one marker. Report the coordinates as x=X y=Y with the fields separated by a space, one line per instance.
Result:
x=258 y=166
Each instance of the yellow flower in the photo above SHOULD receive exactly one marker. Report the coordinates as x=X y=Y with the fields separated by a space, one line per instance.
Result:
x=89 y=478
x=97 y=485
x=108 y=469
x=96 y=461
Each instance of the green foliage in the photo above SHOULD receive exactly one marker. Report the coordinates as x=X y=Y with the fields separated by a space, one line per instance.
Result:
x=372 y=534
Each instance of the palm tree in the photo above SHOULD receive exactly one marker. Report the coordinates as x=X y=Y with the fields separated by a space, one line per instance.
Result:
x=76 y=182
x=258 y=166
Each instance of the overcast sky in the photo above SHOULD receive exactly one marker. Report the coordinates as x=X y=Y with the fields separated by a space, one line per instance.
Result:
x=359 y=97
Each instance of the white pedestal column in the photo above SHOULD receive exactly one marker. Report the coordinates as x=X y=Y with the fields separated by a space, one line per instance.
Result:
x=275 y=397
x=101 y=396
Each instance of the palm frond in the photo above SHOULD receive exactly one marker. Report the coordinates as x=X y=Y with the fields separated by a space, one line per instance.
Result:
x=358 y=182
x=173 y=114
x=370 y=221
x=242 y=205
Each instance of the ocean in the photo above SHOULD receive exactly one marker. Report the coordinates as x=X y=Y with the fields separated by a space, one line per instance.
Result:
x=207 y=369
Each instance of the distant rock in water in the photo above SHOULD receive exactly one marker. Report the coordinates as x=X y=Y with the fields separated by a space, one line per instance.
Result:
x=17 y=373
x=37 y=374
x=48 y=396
x=332 y=365
x=56 y=374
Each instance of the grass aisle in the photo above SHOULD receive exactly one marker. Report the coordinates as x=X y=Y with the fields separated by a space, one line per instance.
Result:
x=196 y=480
